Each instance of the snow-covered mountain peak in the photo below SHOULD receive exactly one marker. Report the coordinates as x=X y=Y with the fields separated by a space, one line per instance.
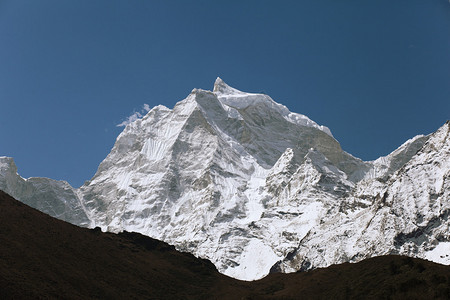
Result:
x=239 y=179
x=242 y=100
x=221 y=88
x=441 y=136
x=285 y=161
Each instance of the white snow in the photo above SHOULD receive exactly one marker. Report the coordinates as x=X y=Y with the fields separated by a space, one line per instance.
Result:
x=256 y=259
x=440 y=254
x=244 y=193
x=241 y=100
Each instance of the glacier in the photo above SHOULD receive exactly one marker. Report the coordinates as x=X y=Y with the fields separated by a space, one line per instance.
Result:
x=238 y=179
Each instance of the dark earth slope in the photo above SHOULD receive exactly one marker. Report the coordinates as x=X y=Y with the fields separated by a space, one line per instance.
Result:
x=42 y=257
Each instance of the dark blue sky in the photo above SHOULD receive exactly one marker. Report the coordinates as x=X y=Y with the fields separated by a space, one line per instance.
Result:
x=375 y=72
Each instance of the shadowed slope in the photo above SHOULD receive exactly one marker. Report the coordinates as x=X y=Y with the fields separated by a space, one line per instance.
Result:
x=42 y=257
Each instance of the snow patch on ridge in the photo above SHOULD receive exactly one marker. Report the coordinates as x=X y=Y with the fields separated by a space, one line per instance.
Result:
x=254 y=262
x=440 y=254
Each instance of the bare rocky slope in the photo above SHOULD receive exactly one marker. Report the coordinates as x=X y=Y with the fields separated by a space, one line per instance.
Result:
x=240 y=180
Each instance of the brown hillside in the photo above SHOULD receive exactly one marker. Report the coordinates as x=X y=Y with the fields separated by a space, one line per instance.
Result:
x=42 y=257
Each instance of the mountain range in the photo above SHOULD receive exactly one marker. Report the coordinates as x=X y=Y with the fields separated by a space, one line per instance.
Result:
x=238 y=179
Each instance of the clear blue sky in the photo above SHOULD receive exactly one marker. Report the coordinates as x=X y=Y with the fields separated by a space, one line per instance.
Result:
x=375 y=72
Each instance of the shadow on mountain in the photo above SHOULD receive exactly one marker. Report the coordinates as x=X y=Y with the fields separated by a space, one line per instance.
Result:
x=42 y=257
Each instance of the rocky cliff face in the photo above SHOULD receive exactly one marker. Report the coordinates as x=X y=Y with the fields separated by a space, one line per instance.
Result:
x=402 y=213
x=56 y=198
x=239 y=179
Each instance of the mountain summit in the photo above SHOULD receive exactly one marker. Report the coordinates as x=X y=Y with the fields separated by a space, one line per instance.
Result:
x=220 y=87
x=238 y=179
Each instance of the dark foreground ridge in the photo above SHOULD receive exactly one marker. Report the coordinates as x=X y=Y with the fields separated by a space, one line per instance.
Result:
x=42 y=257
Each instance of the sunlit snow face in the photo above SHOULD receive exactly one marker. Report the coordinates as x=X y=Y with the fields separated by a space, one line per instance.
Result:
x=238 y=179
